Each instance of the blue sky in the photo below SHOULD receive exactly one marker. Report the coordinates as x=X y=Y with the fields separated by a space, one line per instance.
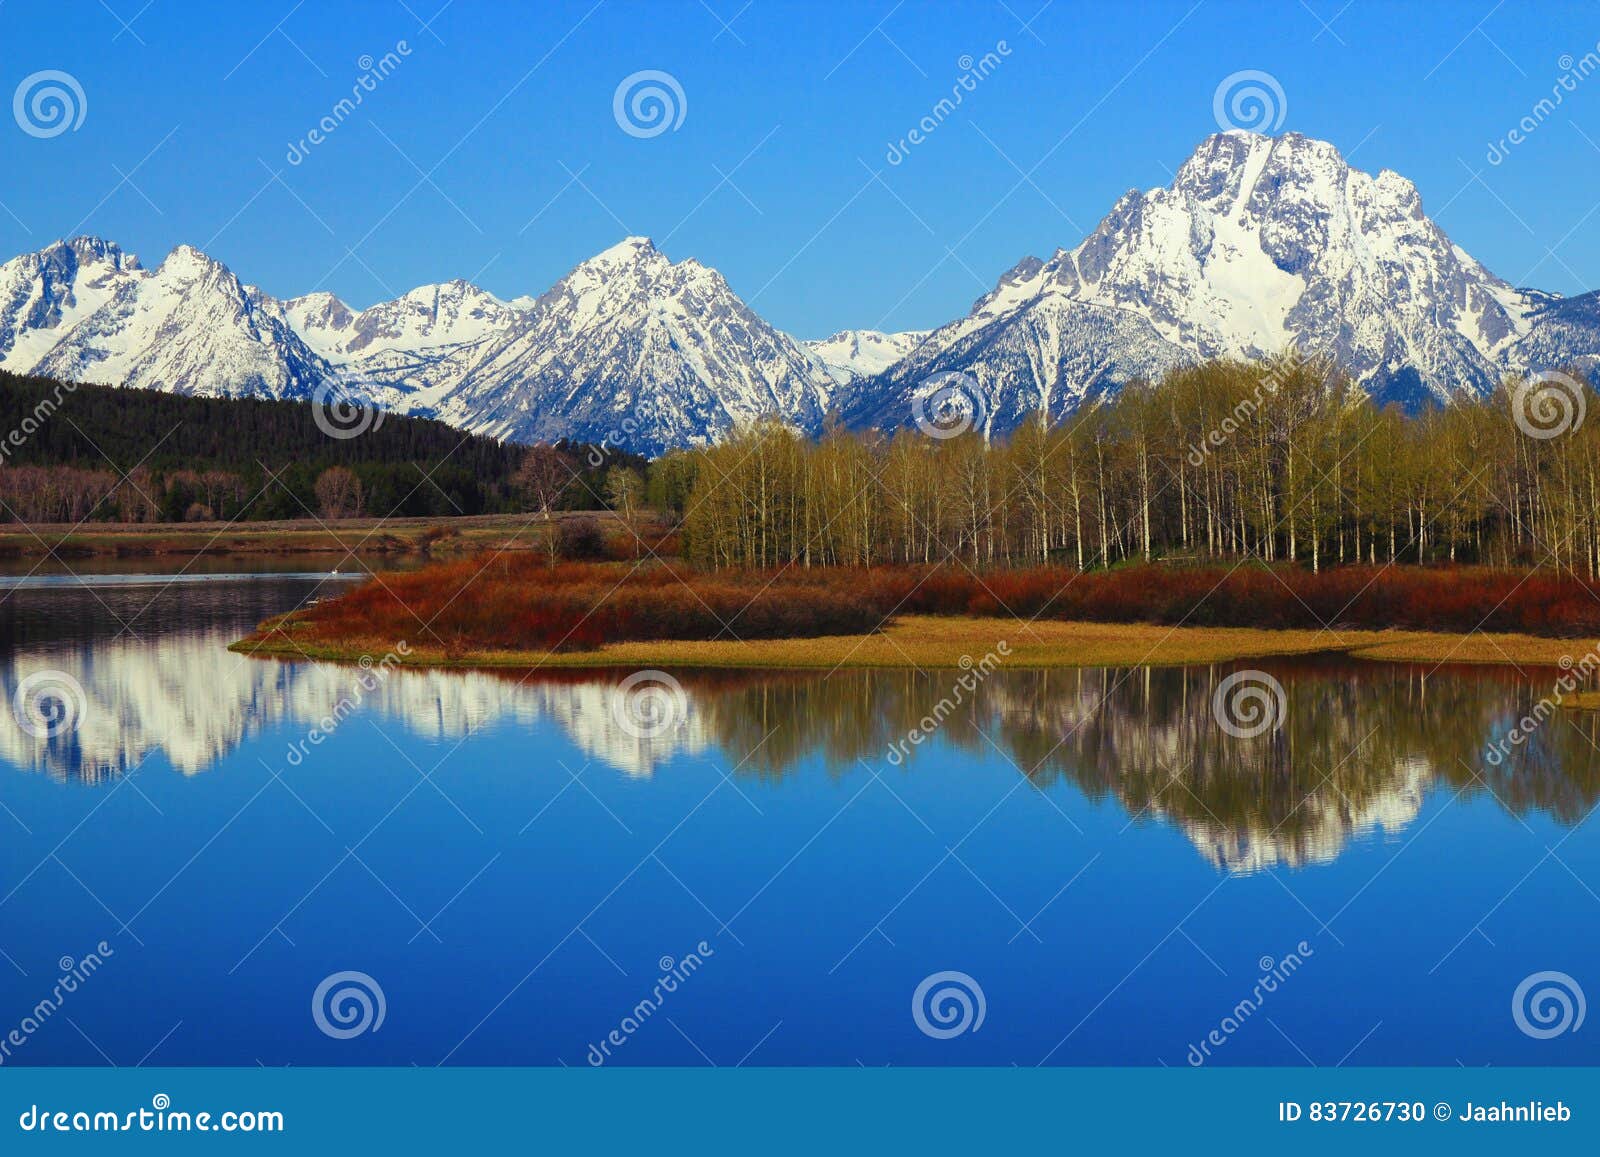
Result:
x=491 y=150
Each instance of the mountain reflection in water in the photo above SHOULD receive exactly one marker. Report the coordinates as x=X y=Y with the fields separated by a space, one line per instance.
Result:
x=1360 y=746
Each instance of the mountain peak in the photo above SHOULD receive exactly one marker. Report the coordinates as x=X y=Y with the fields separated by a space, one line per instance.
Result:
x=88 y=248
x=633 y=259
x=87 y=312
x=629 y=249
x=319 y=298
x=89 y=243
x=1235 y=147
x=456 y=289
x=187 y=261
x=857 y=354
x=1259 y=244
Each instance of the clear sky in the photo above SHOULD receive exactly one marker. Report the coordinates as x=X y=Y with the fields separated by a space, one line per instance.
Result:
x=491 y=150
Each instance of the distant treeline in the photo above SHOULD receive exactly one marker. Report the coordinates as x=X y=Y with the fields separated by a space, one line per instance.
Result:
x=1285 y=460
x=75 y=452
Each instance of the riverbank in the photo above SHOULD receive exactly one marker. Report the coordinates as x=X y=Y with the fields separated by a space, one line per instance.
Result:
x=938 y=641
x=519 y=610
x=359 y=536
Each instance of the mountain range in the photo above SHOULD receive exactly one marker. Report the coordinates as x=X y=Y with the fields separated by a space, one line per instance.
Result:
x=1258 y=245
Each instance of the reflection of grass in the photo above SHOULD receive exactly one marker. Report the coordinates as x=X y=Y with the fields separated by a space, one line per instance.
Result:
x=1582 y=701
x=938 y=641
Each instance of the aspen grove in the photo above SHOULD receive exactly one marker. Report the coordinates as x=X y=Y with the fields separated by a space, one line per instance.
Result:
x=1285 y=460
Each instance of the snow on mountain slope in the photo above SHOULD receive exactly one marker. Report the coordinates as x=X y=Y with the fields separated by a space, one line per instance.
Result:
x=409 y=353
x=323 y=321
x=1564 y=332
x=44 y=295
x=430 y=316
x=1259 y=244
x=89 y=313
x=852 y=354
x=631 y=346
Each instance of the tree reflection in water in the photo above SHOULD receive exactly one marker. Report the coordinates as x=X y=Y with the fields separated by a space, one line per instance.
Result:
x=1359 y=747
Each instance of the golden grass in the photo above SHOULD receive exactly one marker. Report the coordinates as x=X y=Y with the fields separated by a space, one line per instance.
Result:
x=928 y=641
x=1443 y=647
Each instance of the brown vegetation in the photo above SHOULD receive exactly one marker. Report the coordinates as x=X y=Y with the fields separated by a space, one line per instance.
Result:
x=518 y=604
x=928 y=642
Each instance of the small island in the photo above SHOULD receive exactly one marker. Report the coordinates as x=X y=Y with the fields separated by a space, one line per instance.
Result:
x=519 y=611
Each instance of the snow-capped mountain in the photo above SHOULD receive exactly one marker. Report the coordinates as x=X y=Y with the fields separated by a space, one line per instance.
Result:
x=408 y=353
x=45 y=294
x=632 y=347
x=429 y=317
x=852 y=354
x=1564 y=333
x=86 y=311
x=629 y=347
x=1259 y=244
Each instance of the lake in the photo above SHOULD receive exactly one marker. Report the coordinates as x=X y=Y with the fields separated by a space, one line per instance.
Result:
x=210 y=859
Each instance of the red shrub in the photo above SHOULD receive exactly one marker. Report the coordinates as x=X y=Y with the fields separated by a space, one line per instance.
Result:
x=519 y=602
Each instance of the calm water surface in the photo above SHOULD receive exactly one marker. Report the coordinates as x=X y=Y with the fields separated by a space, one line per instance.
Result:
x=515 y=865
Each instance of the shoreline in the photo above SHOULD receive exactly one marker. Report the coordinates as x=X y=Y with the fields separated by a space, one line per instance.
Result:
x=419 y=536
x=943 y=642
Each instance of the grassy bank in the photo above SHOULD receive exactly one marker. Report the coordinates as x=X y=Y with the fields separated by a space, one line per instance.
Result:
x=930 y=641
x=520 y=611
x=360 y=536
